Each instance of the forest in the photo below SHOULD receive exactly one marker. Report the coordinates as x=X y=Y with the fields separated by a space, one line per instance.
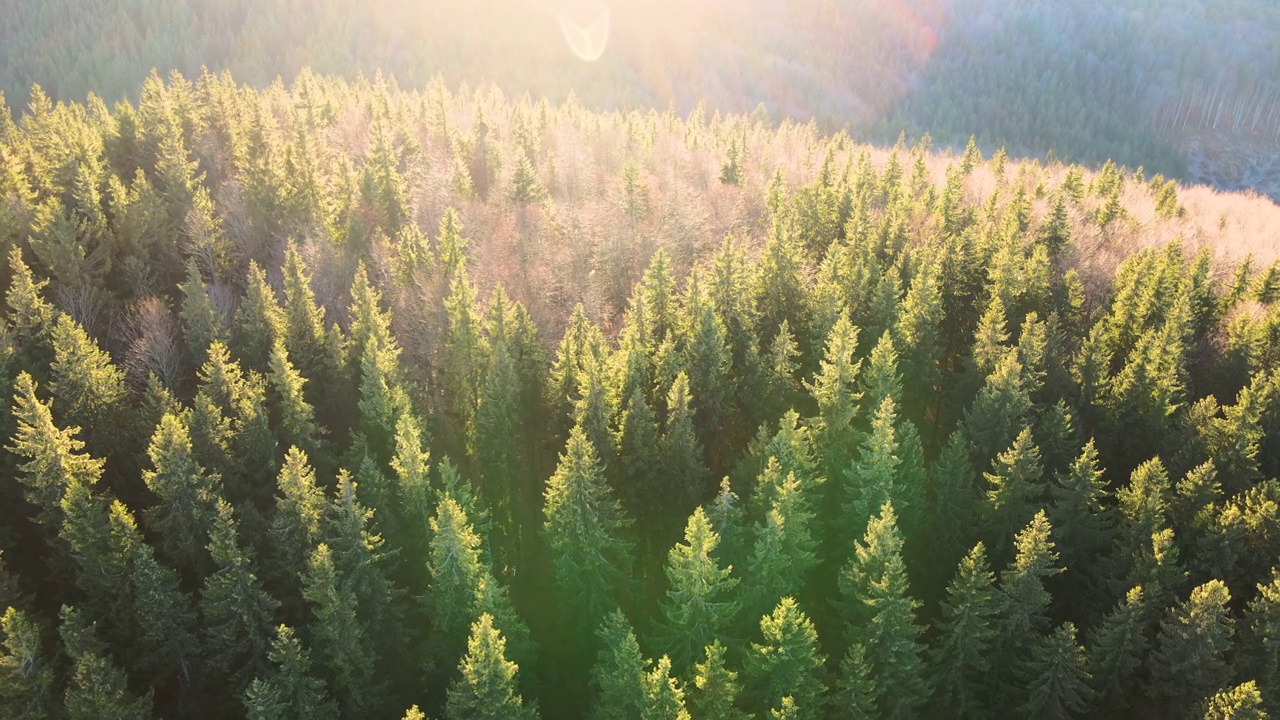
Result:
x=342 y=400
x=1186 y=88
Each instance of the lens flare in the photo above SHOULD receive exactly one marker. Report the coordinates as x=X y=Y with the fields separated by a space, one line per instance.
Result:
x=585 y=27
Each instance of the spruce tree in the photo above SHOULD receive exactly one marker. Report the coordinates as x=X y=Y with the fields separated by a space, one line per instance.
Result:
x=1117 y=650
x=1190 y=659
x=834 y=390
x=487 y=688
x=1024 y=601
x=639 y=478
x=1013 y=490
x=664 y=698
x=1059 y=680
x=297 y=526
x=713 y=693
x=699 y=606
x=878 y=613
x=872 y=479
x=288 y=691
x=618 y=675
x=456 y=568
x=1242 y=702
x=681 y=455
x=88 y=389
x=961 y=659
x=583 y=529
x=258 y=323
x=235 y=611
x=340 y=636
x=53 y=457
x=96 y=688
x=788 y=663
x=203 y=323
x=298 y=426
x=784 y=548
x=188 y=496
x=1080 y=519
x=1259 y=651
x=26 y=671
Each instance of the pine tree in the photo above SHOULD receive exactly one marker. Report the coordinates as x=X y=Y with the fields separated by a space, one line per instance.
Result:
x=960 y=662
x=26 y=672
x=487 y=688
x=1059 y=680
x=878 y=613
x=583 y=528
x=788 y=664
x=96 y=687
x=699 y=606
x=714 y=691
x=289 y=690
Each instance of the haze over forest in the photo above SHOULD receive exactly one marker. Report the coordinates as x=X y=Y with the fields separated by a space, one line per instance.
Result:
x=1187 y=88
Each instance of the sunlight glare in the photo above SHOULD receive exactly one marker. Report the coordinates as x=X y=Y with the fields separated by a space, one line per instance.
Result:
x=585 y=26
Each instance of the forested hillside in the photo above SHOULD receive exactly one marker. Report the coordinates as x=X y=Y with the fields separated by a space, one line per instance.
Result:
x=342 y=401
x=1186 y=88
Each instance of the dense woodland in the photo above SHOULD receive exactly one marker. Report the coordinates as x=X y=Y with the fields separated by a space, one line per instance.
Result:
x=1137 y=81
x=342 y=401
